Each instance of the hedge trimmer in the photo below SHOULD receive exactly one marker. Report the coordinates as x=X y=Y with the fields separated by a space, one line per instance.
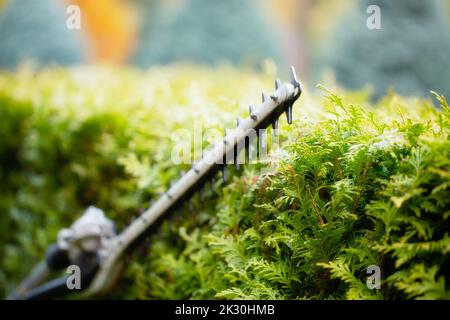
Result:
x=91 y=243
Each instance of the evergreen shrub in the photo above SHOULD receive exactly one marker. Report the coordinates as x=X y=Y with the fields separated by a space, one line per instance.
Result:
x=356 y=185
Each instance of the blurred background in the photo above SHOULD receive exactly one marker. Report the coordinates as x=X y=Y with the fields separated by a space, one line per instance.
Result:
x=327 y=40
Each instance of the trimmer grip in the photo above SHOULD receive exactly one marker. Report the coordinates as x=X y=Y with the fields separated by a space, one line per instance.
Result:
x=56 y=258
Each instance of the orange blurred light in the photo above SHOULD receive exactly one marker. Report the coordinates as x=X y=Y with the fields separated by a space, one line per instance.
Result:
x=111 y=29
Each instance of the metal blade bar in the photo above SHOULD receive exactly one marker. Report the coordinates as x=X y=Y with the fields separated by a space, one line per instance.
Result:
x=260 y=118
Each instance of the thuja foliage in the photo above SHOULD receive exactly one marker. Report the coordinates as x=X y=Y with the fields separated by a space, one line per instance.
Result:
x=359 y=189
x=354 y=186
x=70 y=138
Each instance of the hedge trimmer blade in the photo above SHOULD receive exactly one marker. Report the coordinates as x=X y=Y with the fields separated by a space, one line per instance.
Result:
x=91 y=243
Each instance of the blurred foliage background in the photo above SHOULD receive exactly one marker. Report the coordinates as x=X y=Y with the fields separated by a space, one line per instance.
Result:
x=409 y=53
x=326 y=40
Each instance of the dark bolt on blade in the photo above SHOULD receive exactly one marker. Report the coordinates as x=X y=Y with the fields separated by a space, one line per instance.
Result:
x=277 y=84
x=289 y=114
x=252 y=112
x=274 y=97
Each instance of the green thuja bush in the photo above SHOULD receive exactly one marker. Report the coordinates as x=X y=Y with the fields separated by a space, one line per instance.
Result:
x=353 y=185
x=70 y=138
x=349 y=192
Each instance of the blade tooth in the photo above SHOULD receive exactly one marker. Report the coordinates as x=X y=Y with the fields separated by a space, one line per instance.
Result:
x=265 y=97
x=252 y=112
x=238 y=121
x=294 y=79
x=289 y=114
x=274 y=97
x=277 y=84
